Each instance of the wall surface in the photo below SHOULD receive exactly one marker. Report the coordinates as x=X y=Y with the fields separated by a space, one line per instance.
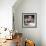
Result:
x=6 y=13
x=43 y=22
x=28 y=6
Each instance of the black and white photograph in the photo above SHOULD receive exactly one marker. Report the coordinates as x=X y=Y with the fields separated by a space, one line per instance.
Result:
x=29 y=19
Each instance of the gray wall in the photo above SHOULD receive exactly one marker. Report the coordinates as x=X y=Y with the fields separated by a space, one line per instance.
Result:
x=28 y=6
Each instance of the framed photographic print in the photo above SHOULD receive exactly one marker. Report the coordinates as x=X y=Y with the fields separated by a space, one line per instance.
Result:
x=29 y=20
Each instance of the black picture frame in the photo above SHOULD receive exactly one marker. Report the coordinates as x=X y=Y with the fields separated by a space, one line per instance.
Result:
x=29 y=20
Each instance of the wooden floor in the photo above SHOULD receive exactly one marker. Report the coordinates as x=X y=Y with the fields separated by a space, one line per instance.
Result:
x=9 y=43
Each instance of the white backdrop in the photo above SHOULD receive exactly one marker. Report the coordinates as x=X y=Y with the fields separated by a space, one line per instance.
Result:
x=6 y=13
